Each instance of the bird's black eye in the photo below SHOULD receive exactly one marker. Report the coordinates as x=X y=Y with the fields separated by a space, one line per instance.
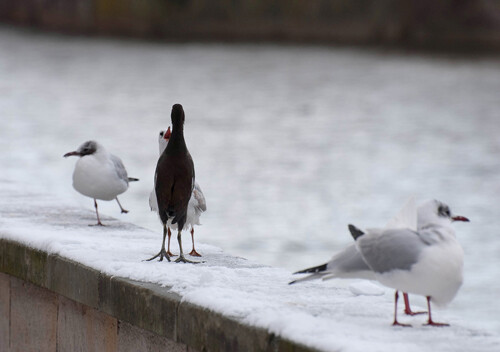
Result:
x=161 y=133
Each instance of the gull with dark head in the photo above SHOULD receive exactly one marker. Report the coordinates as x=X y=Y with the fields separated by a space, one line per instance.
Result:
x=427 y=262
x=349 y=263
x=99 y=174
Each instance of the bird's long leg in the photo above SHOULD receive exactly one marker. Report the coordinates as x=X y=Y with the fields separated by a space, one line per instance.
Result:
x=99 y=223
x=408 y=310
x=168 y=246
x=121 y=208
x=430 y=321
x=162 y=254
x=181 y=254
x=396 y=323
x=193 y=252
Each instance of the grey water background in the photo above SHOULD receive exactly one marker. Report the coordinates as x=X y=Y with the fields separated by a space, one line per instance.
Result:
x=290 y=143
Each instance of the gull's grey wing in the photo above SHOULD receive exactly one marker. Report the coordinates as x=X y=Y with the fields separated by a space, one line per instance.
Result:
x=201 y=204
x=389 y=250
x=349 y=263
x=120 y=169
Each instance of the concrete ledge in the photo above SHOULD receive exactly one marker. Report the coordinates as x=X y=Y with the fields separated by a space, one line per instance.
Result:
x=70 y=296
x=145 y=305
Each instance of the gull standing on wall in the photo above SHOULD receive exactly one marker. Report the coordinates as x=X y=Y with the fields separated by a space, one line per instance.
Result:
x=427 y=262
x=99 y=174
x=349 y=264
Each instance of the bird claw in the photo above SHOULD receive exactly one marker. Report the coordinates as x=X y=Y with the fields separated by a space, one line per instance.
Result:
x=194 y=253
x=182 y=259
x=162 y=254
x=124 y=211
x=170 y=254
x=397 y=323
x=98 y=224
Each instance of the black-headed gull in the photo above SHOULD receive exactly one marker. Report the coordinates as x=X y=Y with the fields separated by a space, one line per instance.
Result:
x=349 y=263
x=174 y=182
x=427 y=262
x=196 y=205
x=99 y=174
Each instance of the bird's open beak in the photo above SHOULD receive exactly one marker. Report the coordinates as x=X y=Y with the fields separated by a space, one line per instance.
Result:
x=167 y=134
x=72 y=153
x=460 y=218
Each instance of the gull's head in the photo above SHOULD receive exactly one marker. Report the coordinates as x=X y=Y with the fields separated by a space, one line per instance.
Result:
x=87 y=148
x=438 y=213
x=163 y=139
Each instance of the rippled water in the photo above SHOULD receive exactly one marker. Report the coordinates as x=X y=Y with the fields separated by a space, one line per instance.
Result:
x=290 y=143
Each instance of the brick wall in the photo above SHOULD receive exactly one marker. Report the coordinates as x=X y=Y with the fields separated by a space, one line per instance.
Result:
x=52 y=304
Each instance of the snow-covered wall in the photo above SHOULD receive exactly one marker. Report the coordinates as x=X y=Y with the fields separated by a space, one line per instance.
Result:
x=67 y=286
x=50 y=303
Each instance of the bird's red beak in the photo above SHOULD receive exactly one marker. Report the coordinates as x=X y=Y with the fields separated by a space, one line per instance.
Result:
x=167 y=134
x=71 y=154
x=460 y=218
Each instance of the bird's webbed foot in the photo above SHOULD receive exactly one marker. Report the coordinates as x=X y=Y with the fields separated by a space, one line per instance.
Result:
x=98 y=224
x=397 y=323
x=194 y=253
x=432 y=323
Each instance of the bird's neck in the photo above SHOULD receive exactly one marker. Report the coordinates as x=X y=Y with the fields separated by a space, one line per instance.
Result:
x=100 y=154
x=439 y=232
x=177 y=141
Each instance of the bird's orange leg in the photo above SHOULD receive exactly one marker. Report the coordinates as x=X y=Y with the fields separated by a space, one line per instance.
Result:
x=194 y=253
x=168 y=248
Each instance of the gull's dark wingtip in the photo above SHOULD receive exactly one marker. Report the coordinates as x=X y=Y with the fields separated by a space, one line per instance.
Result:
x=314 y=269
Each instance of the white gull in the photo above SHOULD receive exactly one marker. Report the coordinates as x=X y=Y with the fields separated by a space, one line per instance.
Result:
x=99 y=174
x=427 y=262
x=349 y=263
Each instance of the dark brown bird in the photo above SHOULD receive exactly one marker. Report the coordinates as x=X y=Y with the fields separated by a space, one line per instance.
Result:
x=174 y=182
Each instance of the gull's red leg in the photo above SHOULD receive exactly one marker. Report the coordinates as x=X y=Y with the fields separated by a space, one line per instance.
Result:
x=396 y=323
x=430 y=321
x=408 y=310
